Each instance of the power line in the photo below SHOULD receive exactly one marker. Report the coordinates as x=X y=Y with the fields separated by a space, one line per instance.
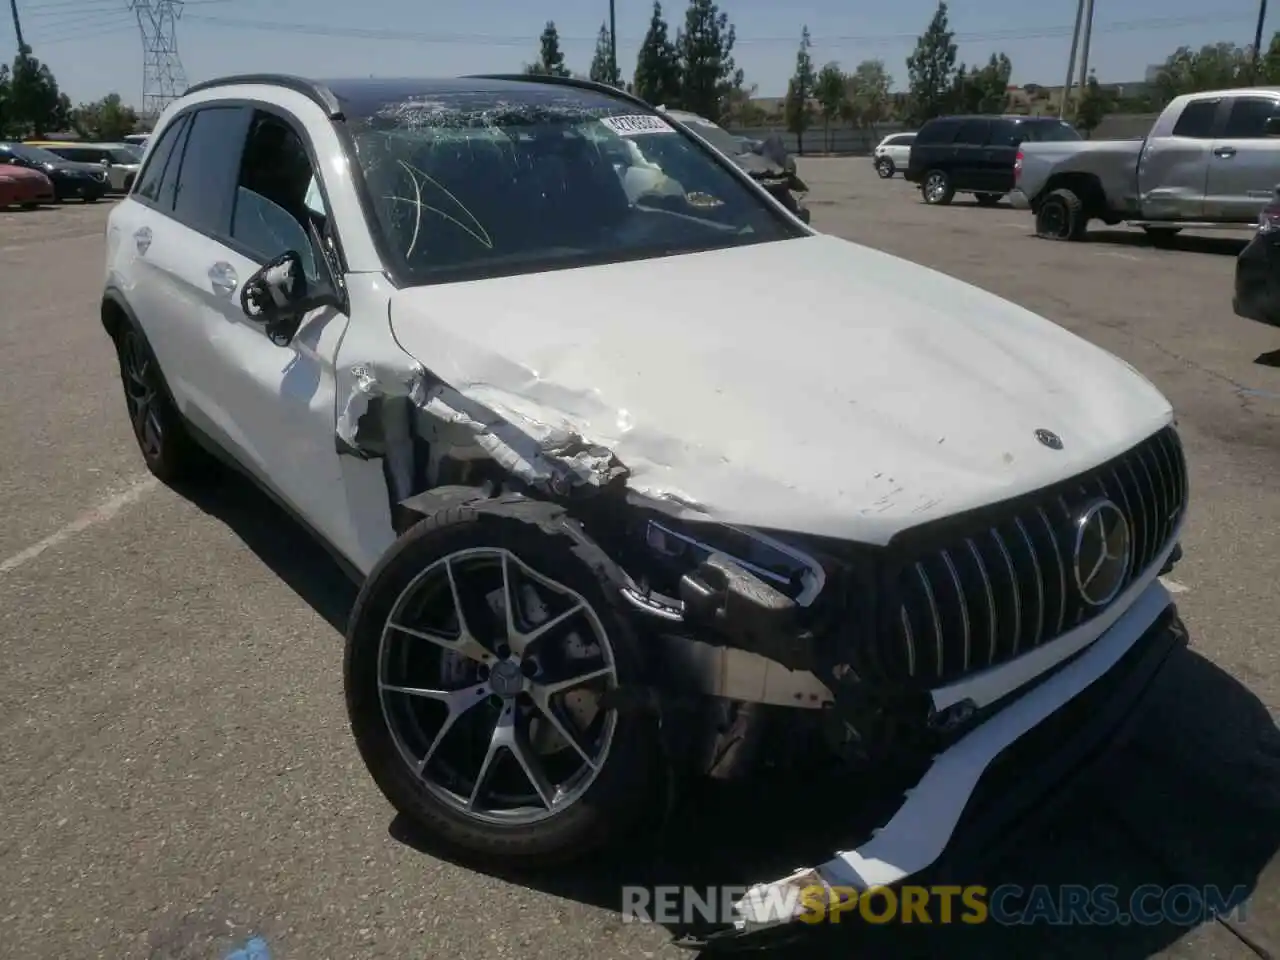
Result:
x=478 y=39
x=123 y=26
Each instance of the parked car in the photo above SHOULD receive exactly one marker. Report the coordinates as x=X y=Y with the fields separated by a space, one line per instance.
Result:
x=120 y=160
x=767 y=161
x=24 y=187
x=138 y=139
x=81 y=181
x=634 y=485
x=892 y=154
x=1210 y=160
x=1257 y=294
x=975 y=154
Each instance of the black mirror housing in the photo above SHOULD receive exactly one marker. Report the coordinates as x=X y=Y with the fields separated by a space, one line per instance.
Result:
x=277 y=296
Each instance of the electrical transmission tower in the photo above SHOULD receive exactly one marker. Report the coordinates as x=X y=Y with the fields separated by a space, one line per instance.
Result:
x=163 y=79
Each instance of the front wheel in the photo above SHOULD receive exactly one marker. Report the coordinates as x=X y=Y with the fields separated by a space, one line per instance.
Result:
x=937 y=188
x=884 y=167
x=480 y=660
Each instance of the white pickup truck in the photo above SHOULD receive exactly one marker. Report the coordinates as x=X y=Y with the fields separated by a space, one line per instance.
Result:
x=1211 y=160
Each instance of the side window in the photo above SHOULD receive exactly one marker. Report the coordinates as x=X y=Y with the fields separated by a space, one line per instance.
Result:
x=209 y=163
x=153 y=173
x=277 y=195
x=941 y=131
x=1197 y=119
x=1008 y=133
x=973 y=133
x=1248 y=118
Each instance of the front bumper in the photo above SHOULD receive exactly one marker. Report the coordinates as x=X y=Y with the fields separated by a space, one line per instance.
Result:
x=1019 y=200
x=968 y=804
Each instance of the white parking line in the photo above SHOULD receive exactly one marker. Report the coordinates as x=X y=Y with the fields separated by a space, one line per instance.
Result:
x=99 y=514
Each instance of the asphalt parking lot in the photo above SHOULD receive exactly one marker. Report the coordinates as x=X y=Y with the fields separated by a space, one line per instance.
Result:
x=177 y=773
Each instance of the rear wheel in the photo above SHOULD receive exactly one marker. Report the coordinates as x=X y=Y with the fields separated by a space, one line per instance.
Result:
x=937 y=188
x=1060 y=216
x=884 y=167
x=166 y=447
x=480 y=658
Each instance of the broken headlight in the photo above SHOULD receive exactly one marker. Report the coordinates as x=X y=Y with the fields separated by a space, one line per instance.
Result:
x=679 y=550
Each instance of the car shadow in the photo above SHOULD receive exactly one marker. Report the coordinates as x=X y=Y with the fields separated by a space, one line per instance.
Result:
x=1192 y=798
x=284 y=546
x=1187 y=243
x=1171 y=808
x=1269 y=359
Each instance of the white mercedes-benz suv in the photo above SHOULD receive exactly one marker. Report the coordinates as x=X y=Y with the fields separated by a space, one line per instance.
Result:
x=638 y=484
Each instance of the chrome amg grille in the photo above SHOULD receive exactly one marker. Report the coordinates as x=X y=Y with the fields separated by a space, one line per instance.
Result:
x=1012 y=585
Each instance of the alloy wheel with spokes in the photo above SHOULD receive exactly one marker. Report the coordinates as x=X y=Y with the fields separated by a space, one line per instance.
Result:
x=141 y=396
x=515 y=664
x=937 y=188
x=485 y=666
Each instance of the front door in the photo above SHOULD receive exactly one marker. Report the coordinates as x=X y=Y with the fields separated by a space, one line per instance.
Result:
x=242 y=199
x=1173 y=171
x=1244 y=165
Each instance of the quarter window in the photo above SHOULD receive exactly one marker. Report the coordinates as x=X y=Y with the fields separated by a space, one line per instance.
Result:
x=1197 y=119
x=1248 y=118
x=973 y=133
x=208 y=169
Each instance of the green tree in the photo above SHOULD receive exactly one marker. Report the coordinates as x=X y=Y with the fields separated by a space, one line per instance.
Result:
x=1215 y=66
x=708 y=75
x=107 y=119
x=1095 y=103
x=829 y=91
x=603 y=69
x=550 y=60
x=657 y=78
x=985 y=90
x=6 y=104
x=868 y=94
x=1269 y=62
x=35 y=104
x=800 y=89
x=931 y=69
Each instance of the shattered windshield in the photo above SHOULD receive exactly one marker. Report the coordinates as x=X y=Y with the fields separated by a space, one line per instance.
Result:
x=718 y=137
x=481 y=184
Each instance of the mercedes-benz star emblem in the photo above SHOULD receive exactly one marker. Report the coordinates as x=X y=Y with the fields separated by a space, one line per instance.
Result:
x=1049 y=439
x=1103 y=551
x=505 y=679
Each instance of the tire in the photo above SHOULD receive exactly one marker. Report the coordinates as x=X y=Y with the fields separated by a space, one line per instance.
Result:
x=884 y=167
x=30 y=206
x=128 y=184
x=989 y=199
x=1060 y=216
x=628 y=785
x=161 y=434
x=937 y=188
x=1161 y=236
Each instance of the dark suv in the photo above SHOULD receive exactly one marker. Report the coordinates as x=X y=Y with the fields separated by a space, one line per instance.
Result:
x=975 y=154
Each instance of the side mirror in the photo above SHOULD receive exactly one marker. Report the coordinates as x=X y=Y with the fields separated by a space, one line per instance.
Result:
x=277 y=296
x=105 y=161
x=1272 y=127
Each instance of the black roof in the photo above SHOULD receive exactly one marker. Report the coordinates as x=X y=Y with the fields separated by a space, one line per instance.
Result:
x=361 y=96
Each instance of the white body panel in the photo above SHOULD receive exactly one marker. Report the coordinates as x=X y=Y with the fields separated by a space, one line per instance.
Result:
x=810 y=385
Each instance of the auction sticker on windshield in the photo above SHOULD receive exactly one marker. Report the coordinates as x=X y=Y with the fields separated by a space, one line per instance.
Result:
x=637 y=125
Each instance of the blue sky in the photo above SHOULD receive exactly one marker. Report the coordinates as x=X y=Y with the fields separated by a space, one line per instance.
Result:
x=94 y=47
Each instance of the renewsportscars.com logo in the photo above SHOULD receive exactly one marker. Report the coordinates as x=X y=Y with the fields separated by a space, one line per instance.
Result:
x=1007 y=905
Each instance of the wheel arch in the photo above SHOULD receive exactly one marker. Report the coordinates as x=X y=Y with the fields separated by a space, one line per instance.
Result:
x=1086 y=186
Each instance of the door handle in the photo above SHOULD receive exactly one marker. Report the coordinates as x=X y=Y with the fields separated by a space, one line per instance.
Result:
x=1225 y=152
x=142 y=239
x=222 y=277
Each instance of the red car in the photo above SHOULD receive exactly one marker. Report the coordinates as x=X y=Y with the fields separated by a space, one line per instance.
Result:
x=24 y=186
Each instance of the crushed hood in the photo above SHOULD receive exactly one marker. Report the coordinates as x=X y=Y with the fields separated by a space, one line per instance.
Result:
x=810 y=385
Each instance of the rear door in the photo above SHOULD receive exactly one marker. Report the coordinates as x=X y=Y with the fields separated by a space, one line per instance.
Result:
x=1244 y=161
x=1173 y=170
x=972 y=162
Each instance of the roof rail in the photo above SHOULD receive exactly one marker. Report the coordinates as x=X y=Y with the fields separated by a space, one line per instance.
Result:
x=318 y=93
x=565 y=82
